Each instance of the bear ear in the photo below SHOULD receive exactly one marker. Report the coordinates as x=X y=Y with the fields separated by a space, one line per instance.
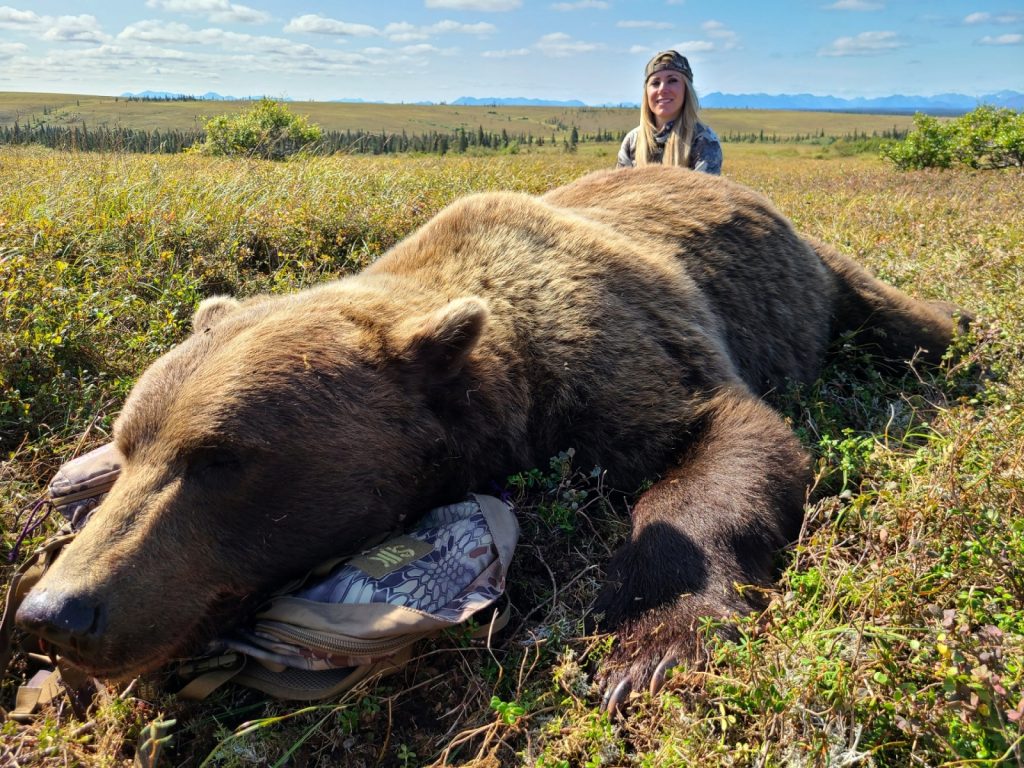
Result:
x=440 y=343
x=211 y=311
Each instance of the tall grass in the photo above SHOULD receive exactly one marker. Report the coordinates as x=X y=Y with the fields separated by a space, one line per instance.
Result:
x=894 y=635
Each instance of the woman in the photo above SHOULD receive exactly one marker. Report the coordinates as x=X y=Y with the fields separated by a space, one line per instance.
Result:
x=670 y=132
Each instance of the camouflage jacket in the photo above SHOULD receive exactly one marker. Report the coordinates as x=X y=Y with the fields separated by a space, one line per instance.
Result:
x=705 y=151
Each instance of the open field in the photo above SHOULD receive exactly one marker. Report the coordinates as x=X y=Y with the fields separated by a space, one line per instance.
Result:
x=98 y=111
x=895 y=636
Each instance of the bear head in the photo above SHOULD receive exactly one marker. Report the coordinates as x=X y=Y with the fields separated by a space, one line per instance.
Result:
x=282 y=432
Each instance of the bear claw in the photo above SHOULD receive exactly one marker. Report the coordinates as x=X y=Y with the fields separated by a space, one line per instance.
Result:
x=615 y=699
x=618 y=694
x=662 y=673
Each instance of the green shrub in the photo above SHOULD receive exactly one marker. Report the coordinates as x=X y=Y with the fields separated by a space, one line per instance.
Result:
x=928 y=145
x=269 y=130
x=988 y=137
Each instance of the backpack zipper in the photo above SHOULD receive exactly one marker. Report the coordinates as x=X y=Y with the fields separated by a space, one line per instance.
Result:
x=86 y=493
x=339 y=644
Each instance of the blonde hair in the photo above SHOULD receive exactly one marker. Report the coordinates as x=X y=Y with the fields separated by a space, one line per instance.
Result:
x=677 y=146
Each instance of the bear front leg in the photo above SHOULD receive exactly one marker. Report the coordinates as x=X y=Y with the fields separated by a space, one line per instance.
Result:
x=711 y=524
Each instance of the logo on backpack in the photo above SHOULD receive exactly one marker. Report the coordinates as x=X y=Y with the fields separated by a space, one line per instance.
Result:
x=391 y=555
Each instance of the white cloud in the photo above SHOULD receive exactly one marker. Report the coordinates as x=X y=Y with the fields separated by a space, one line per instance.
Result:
x=984 y=17
x=695 y=46
x=174 y=33
x=480 y=28
x=1010 y=39
x=636 y=24
x=579 y=5
x=12 y=18
x=151 y=31
x=262 y=44
x=66 y=29
x=314 y=23
x=240 y=14
x=7 y=50
x=475 y=5
x=864 y=44
x=507 y=54
x=402 y=31
x=117 y=57
x=74 y=29
x=854 y=5
x=133 y=64
x=560 y=45
x=218 y=11
x=398 y=32
x=727 y=38
x=419 y=50
x=417 y=55
x=256 y=54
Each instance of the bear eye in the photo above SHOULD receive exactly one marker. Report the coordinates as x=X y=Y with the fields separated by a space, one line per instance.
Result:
x=208 y=461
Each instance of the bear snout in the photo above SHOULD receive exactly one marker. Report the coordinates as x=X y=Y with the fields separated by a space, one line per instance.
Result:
x=72 y=623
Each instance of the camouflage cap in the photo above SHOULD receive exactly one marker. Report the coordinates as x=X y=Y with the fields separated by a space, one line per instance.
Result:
x=668 y=60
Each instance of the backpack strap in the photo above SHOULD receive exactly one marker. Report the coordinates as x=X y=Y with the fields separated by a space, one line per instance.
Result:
x=40 y=690
x=207 y=675
x=501 y=519
x=46 y=685
x=24 y=579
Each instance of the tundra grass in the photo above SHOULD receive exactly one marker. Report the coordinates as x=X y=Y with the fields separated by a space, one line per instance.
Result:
x=892 y=638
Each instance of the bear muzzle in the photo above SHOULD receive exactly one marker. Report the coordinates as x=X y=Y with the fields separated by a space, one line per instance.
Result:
x=73 y=624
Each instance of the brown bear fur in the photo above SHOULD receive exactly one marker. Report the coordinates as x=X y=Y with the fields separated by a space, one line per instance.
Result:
x=637 y=316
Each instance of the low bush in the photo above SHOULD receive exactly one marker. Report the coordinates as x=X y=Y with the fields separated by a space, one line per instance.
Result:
x=988 y=137
x=269 y=130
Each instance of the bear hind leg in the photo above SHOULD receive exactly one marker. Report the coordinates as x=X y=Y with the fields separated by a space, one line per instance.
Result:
x=895 y=326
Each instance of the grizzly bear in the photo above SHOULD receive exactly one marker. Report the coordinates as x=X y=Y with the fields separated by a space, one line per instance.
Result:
x=638 y=316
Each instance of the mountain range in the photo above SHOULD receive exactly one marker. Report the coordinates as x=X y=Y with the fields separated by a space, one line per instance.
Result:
x=954 y=103
x=943 y=103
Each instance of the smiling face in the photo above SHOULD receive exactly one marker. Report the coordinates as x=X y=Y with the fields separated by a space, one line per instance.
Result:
x=666 y=94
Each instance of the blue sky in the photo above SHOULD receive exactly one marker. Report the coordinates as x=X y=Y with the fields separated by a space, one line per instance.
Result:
x=439 y=50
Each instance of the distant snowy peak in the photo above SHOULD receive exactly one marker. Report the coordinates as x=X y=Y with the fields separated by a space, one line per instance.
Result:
x=516 y=101
x=943 y=102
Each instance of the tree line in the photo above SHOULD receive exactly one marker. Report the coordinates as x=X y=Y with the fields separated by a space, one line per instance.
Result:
x=760 y=137
x=79 y=137
x=119 y=139
x=103 y=139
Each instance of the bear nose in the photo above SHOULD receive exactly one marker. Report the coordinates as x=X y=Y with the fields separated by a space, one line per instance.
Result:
x=70 y=622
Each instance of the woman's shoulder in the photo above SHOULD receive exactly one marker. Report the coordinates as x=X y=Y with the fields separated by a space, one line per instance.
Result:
x=627 y=152
x=703 y=131
x=706 y=153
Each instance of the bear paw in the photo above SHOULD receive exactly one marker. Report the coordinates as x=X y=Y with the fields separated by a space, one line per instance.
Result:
x=655 y=647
